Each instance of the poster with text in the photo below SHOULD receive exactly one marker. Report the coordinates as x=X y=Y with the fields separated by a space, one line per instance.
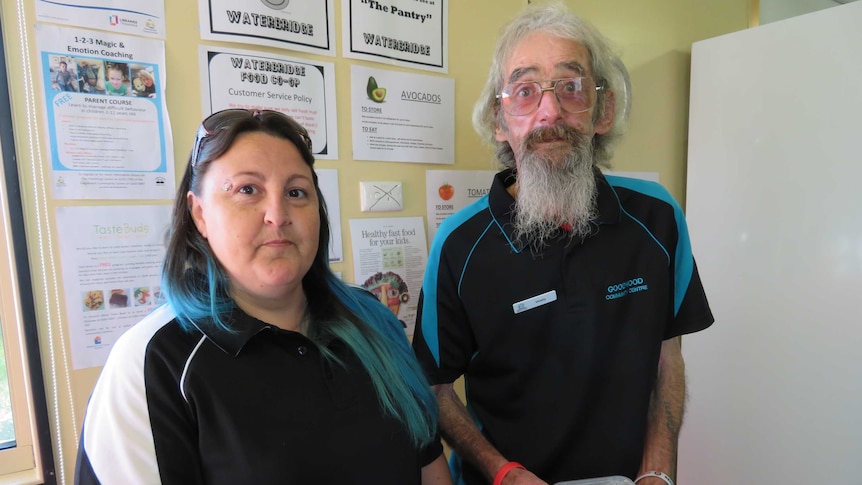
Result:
x=300 y=25
x=111 y=258
x=448 y=191
x=400 y=117
x=119 y=16
x=389 y=258
x=408 y=33
x=300 y=88
x=108 y=130
x=328 y=180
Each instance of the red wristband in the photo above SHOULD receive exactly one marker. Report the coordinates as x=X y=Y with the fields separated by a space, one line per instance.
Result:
x=504 y=470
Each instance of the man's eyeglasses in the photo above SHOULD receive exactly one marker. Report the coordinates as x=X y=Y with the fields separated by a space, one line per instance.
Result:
x=221 y=120
x=575 y=95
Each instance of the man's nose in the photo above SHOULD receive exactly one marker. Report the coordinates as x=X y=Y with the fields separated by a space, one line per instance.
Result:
x=549 y=106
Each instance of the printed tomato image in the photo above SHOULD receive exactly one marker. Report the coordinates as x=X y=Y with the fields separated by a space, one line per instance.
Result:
x=446 y=191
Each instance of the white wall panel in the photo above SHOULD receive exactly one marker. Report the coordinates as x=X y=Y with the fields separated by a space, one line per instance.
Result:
x=775 y=213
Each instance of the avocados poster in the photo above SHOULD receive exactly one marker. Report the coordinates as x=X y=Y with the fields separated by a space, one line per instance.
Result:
x=401 y=117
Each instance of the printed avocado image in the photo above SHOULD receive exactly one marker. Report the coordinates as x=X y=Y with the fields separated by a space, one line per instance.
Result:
x=376 y=93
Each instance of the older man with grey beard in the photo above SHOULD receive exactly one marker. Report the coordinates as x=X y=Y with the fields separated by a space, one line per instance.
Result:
x=561 y=295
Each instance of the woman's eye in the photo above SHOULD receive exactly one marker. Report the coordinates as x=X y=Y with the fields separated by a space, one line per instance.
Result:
x=247 y=189
x=295 y=193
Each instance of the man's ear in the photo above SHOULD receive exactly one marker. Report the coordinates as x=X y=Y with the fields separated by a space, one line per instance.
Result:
x=499 y=127
x=606 y=122
x=500 y=134
x=197 y=213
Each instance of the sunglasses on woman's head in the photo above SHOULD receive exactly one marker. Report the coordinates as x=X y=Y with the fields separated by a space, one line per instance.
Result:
x=224 y=119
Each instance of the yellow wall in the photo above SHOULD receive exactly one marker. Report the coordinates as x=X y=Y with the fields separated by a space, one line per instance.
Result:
x=654 y=37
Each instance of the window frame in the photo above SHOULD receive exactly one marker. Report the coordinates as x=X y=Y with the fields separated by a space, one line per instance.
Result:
x=31 y=461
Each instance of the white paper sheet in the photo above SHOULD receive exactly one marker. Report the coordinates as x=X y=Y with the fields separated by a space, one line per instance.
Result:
x=303 y=89
x=105 y=146
x=305 y=26
x=112 y=260
x=408 y=33
x=389 y=258
x=400 y=117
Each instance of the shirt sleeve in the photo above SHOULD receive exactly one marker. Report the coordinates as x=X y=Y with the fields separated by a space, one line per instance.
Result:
x=431 y=452
x=443 y=340
x=693 y=313
x=117 y=444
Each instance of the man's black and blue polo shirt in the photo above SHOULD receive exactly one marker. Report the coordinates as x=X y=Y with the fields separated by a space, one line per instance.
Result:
x=560 y=349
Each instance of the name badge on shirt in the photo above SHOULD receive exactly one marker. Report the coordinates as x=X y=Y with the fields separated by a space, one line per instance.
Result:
x=535 y=301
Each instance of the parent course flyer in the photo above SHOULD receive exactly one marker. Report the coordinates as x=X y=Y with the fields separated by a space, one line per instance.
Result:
x=105 y=112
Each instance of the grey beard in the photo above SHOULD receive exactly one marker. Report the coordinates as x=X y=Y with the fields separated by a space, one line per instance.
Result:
x=553 y=192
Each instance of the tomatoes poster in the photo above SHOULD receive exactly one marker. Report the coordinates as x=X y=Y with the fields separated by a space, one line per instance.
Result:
x=448 y=191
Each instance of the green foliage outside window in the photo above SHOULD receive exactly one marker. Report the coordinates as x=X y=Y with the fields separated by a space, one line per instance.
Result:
x=7 y=430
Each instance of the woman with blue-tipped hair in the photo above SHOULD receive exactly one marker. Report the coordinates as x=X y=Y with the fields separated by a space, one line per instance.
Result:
x=262 y=367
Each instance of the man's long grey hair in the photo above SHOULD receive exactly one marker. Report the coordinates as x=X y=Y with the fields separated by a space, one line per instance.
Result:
x=606 y=67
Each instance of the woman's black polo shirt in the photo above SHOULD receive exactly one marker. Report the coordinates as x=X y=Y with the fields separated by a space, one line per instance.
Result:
x=560 y=349
x=261 y=406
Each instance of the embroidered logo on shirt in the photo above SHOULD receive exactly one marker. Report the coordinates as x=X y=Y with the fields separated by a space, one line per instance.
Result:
x=535 y=301
x=620 y=290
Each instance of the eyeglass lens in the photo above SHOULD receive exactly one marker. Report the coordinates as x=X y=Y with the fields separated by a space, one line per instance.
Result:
x=575 y=95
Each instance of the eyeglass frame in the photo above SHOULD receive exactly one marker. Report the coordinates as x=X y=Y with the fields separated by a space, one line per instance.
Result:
x=542 y=89
x=204 y=133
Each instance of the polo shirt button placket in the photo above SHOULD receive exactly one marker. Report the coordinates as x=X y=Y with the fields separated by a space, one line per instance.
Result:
x=302 y=350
